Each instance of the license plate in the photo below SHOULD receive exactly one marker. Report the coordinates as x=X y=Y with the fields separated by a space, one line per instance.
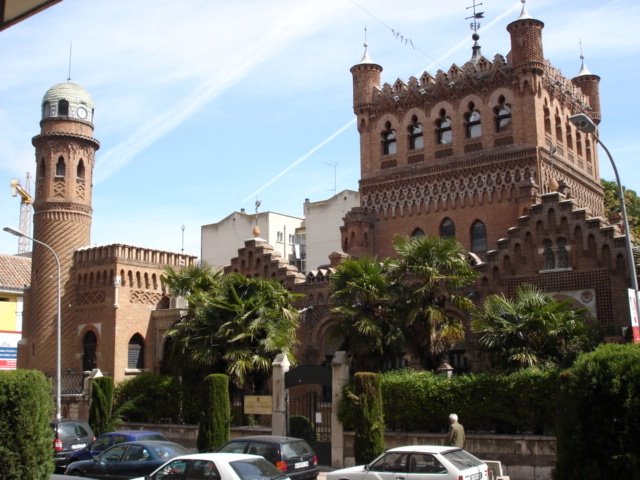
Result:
x=475 y=476
x=301 y=464
x=78 y=446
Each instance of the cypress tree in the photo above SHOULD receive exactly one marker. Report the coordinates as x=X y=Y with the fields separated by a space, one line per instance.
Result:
x=369 y=417
x=215 y=423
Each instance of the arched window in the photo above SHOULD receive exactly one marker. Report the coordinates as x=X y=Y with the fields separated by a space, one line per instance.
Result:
x=447 y=228
x=578 y=144
x=569 y=137
x=417 y=233
x=136 y=352
x=80 y=170
x=89 y=347
x=444 y=134
x=60 y=167
x=563 y=255
x=558 y=122
x=547 y=121
x=549 y=255
x=389 y=141
x=416 y=134
x=472 y=122
x=46 y=110
x=41 y=168
x=503 y=115
x=63 y=108
x=478 y=237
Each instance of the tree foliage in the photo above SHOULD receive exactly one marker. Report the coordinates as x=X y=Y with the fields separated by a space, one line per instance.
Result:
x=632 y=203
x=236 y=325
x=368 y=440
x=215 y=423
x=413 y=300
x=532 y=329
x=26 y=439
x=101 y=408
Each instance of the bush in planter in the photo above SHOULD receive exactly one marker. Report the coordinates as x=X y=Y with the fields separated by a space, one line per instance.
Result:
x=301 y=427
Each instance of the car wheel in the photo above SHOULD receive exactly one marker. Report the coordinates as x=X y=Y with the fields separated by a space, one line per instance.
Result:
x=75 y=473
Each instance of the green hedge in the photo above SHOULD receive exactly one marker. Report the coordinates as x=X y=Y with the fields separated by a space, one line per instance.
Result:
x=149 y=398
x=26 y=439
x=421 y=401
x=598 y=430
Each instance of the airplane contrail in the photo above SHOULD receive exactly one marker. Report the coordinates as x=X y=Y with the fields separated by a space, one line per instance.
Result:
x=302 y=158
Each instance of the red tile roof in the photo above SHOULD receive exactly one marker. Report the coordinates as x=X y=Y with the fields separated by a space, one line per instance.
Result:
x=15 y=272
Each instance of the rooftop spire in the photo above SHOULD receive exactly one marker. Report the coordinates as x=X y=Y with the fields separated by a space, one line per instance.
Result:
x=475 y=26
x=524 y=15
x=365 y=56
x=583 y=68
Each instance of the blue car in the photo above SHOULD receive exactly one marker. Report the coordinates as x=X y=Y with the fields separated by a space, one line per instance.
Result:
x=107 y=440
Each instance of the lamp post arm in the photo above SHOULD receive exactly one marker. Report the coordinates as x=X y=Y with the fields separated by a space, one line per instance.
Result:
x=625 y=221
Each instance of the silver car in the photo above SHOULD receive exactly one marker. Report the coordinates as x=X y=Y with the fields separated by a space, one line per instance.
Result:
x=418 y=462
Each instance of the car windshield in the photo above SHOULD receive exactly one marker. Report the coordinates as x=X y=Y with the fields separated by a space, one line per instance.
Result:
x=255 y=469
x=295 y=449
x=462 y=459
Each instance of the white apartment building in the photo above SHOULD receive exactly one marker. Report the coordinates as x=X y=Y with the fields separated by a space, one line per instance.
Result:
x=219 y=242
x=306 y=243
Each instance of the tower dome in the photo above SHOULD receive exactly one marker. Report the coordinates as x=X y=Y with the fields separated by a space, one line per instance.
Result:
x=67 y=100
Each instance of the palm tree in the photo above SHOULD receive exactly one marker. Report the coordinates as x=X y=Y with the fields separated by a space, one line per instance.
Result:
x=238 y=328
x=364 y=303
x=532 y=329
x=432 y=272
x=192 y=282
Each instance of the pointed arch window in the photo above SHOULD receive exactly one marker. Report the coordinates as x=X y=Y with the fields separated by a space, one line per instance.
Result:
x=41 y=168
x=562 y=254
x=472 y=122
x=416 y=134
x=63 y=108
x=549 y=255
x=503 y=115
x=60 y=167
x=389 y=140
x=444 y=134
x=136 y=352
x=80 y=170
x=478 y=237
x=447 y=228
x=417 y=233
x=558 y=122
x=547 y=121
x=569 y=137
x=578 y=144
x=89 y=348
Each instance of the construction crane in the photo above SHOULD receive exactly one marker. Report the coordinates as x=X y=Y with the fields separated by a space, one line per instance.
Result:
x=26 y=200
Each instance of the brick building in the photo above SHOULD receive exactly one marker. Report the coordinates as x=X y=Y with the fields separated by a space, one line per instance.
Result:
x=484 y=152
x=108 y=294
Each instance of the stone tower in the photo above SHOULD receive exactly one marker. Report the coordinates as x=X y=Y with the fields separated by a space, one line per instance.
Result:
x=65 y=154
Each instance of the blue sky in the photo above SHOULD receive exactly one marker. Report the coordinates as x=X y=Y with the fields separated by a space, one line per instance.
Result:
x=204 y=106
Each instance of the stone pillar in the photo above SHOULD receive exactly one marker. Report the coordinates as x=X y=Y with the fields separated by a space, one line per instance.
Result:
x=340 y=377
x=279 y=404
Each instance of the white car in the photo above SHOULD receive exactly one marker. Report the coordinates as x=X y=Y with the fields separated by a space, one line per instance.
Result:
x=418 y=462
x=216 y=466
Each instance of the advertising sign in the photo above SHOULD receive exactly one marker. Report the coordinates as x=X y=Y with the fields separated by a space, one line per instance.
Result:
x=9 y=349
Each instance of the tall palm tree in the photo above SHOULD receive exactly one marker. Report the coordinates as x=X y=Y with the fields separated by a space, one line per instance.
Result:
x=364 y=303
x=531 y=329
x=432 y=272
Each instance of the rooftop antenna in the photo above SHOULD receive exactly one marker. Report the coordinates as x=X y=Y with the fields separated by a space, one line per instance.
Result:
x=182 y=249
x=475 y=26
x=69 y=75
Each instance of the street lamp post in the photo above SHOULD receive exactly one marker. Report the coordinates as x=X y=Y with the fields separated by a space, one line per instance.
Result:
x=585 y=124
x=18 y=233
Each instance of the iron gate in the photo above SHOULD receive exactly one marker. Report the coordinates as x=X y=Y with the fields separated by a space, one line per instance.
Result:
x=309 y=396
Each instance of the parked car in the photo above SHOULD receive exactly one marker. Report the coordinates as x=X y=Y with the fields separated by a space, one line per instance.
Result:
x=293 y=456
x=107 y=440
x=55 y=476
x=419 y=462
x=127 y=460
x=69 y=436
x=217 y=466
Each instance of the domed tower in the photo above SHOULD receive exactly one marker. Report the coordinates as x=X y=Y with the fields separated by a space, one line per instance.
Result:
x=65 y=154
